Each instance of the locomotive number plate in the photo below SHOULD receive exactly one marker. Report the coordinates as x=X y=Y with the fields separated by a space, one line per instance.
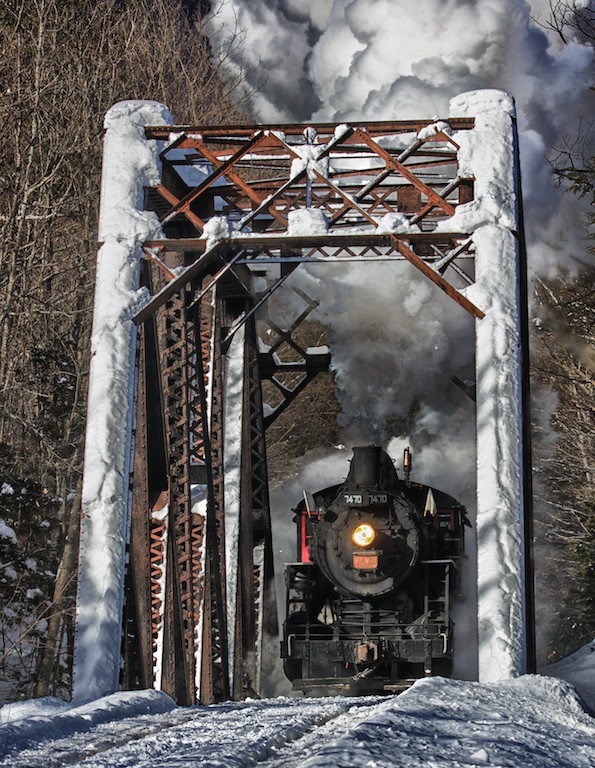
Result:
x=365 y=499
x=365 y=561
x=354 y=499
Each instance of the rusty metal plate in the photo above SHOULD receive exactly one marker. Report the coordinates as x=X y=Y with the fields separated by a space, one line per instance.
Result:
x=365 y=561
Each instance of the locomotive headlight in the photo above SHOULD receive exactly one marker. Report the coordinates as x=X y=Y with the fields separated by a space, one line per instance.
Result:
x=363 y=535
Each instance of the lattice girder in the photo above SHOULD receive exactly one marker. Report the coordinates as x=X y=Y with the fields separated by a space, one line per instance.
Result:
x=351 y=156
x=396 y=184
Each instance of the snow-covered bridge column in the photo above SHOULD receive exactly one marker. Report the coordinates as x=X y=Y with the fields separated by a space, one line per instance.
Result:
x=488 y=155
x=130 y=163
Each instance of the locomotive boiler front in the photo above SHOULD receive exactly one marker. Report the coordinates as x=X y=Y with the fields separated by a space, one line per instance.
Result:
x=368 y=539
x=368 y=598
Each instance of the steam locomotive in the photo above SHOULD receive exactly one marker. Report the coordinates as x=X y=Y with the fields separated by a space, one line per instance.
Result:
x=368 y=606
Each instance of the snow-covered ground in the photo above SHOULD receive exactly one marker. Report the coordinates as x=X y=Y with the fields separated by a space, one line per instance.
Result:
x=534 y=720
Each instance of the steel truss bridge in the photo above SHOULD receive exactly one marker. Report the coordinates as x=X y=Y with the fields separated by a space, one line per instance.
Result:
x=237 y=203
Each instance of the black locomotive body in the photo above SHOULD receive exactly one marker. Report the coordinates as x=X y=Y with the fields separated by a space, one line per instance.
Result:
x=369 y=601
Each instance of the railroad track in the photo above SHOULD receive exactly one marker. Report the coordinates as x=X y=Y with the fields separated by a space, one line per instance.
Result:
x=272 y=732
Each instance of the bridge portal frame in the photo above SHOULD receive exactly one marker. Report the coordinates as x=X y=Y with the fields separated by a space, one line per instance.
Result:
x=197 y=598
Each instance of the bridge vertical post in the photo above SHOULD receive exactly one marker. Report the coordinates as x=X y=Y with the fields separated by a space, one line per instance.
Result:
x=504 y=579
x=130 y=164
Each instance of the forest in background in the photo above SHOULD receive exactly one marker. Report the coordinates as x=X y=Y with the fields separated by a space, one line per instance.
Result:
x=64 y=63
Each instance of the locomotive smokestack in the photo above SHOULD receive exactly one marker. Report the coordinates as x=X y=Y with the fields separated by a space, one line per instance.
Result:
x=365 y=466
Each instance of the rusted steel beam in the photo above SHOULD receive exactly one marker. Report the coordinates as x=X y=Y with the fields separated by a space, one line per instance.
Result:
x=411 y=256
x=204 y=263
x=137 y=646
x=146 y=574
x=202 y=333
x=199 y=268
x=158 y=555
x=203 y=560
x=277 y=240
x=249 y=313
x=216 y=519
x=178 y=206
x=265 y=206
x=398 y=166
x=157 y=471
x=172 y=683
x=438 y=280
x=182 y=206
x=257 y=545
x=309 y=365
x=162 y=132
x=176 y=393
x=256 y=197
x=431 y=204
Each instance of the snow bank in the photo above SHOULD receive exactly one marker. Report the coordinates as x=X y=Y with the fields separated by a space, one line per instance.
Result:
x=21 y=710
x=130 y=163
x=530 y=721
x=579 y=670
x=30 y=723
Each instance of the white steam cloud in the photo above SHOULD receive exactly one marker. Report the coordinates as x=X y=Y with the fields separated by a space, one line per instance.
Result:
x=392 y=342
x=392 y=59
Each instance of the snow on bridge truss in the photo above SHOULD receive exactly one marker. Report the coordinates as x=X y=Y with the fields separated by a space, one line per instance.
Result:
x=178 y=561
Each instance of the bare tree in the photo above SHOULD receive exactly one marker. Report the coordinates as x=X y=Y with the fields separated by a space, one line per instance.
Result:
x=563 y=372
x=563 y=375
x=571 y=20
x=64 y=63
